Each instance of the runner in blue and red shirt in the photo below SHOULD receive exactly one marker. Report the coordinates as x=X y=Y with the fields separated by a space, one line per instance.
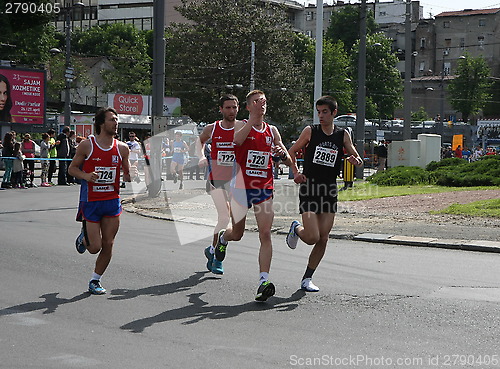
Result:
x=220 y=164
x=98 y=162
x=256 y=143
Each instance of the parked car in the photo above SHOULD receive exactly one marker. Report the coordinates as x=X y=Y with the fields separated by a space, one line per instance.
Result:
x=349 y=120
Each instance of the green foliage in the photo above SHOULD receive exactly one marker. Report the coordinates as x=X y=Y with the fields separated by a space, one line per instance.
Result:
x=29 y=32
x=444 y=163
x=213 y=51
x=128 y=52
x=452 y=172
x=335 y=75
x=345 y=25
x=483 y=208
x=400 y=176
x=484 y=172
x=470 y=89
x=420 y=115
x=384 y=86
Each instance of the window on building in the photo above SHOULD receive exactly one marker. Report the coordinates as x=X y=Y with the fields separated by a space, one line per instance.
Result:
x=482 y=22
x=446 y=24
x=421 y=66
x=480 y=42
x=447 y=68
x=422 y=43
x=309 y=16
x=382 y=13
x=462 y=44
x=309 y=33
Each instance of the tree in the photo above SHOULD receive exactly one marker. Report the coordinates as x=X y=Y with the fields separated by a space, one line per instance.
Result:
x=345 y=25
x=26 y=36
x=470 y=89
x=336 y=77
x=211 y=56
x=127 y=50
x=384 y=85
x=420 y=115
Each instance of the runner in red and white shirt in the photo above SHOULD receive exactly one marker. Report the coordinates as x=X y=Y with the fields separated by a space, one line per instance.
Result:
x=98 y=162
x=220 y=166
x=256 y=143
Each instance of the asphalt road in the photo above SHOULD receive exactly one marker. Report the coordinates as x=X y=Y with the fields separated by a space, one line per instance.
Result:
x=379 y=305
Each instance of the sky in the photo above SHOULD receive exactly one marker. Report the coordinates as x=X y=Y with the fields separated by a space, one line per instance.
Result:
x=438 y=6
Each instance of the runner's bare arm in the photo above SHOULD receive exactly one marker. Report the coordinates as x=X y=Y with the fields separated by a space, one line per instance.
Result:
x=200 y=144
x=354 y=157
x=300 y=144
x=241 y=131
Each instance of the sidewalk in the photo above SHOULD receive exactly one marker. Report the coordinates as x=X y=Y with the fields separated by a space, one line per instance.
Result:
x=194 y=205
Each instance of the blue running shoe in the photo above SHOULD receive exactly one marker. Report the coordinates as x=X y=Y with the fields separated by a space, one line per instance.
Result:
x=292 y=237
x=80 y=246
x=217 y=267
x=95 y=287
x=266 y=290
x=210 y=258
x=220 y=248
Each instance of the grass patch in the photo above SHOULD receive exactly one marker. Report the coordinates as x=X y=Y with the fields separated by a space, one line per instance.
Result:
x=366 y=190
x=483 y=208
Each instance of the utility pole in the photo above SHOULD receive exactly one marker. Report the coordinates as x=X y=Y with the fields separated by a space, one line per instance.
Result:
x=361 y=111
x=252 y=66
x=407 y=84
x=318 y=65
x=158 y=121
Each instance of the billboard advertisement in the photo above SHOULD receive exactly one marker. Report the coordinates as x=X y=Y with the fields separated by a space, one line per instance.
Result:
x=141 y=105
x=22 y=95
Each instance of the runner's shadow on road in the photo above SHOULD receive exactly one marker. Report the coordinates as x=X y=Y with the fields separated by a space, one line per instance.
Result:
x=49 y=305
x=199 y=310
x=162 y=289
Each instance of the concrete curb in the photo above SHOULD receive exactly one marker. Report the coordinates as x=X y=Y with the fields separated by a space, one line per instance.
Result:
x=466 y=245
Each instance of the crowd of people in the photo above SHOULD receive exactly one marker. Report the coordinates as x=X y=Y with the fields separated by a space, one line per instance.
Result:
x=465 y=153
x=55 y=154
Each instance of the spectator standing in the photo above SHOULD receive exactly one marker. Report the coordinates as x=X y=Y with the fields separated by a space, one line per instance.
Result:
x=72 y=150
x=17 y=167
x=135 y=150
x=63 y=154
x=381 y=156
x=52 y=155
x=8 y=154
x=28 y=150
x=458 y=152
x=44 y=154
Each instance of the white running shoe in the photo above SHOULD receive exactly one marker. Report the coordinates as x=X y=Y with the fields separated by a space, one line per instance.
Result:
x=292 y=237
x=308 y=286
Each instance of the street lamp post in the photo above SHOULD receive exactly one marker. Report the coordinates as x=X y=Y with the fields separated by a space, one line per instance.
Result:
x=69 y=72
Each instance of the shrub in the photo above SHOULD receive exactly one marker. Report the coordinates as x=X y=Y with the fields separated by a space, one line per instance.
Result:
x=447 y=172
x=402 y=176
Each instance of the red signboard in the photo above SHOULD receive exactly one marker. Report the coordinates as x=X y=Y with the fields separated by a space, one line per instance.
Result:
x=129 y=104
x=22 y=95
